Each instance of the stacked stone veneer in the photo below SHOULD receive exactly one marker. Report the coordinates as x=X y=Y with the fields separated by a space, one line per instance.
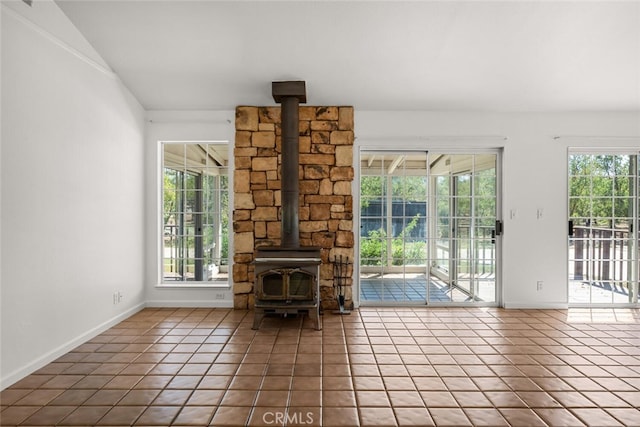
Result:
x=326 y=201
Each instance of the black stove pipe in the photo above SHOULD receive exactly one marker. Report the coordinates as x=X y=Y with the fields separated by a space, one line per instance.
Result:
x=290 y=94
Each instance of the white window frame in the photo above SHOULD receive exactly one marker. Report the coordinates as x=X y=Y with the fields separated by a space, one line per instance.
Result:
x=185 y=284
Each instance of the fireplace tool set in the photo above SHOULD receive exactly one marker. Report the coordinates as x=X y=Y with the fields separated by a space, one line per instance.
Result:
x=342 y=271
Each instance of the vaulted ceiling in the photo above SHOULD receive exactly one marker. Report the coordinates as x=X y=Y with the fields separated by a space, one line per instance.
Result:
x=385 y=55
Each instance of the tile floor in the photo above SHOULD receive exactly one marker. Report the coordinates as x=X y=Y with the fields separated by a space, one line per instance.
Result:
x=377 y=366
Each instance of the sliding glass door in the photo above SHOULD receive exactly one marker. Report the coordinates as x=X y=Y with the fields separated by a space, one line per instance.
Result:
x=603 y=224
x=464 y=232
x=428 y=227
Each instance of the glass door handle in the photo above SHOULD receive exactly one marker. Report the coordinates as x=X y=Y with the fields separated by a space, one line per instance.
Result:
x=570 y=228
x=499 y=228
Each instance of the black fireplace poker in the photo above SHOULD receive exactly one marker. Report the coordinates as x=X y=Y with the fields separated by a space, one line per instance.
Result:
x=342 y=271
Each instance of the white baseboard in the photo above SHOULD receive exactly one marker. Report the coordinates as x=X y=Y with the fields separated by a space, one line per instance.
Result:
x=191 y=303
x=49 y=357
x=537 y=305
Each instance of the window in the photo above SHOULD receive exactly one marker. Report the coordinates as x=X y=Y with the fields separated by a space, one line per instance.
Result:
x=195 y=212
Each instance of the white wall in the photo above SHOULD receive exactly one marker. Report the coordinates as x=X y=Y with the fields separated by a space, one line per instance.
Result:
x=72 y=191
x=534 y=177
x=173 y=126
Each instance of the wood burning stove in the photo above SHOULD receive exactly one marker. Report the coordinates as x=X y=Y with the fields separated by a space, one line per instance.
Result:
x=287 y=282
x=287 y=276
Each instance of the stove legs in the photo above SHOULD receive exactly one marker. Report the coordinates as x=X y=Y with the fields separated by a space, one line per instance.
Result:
x=258 y=315
x=314 y=315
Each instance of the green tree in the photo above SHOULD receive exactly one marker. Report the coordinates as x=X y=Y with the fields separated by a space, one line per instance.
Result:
x=169 y=195
x=599 y=186
x=407 y=188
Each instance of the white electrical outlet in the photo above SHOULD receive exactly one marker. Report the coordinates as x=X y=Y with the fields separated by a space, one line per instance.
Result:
x=219 y=296
x=539 y=285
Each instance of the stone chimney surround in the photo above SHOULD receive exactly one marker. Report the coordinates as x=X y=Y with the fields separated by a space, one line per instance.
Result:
x=325 y=172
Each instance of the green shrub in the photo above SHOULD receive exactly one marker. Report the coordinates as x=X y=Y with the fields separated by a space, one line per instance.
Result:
x=373 y=249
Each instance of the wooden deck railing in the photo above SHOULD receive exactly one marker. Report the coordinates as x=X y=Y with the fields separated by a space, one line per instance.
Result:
x=601 y=253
